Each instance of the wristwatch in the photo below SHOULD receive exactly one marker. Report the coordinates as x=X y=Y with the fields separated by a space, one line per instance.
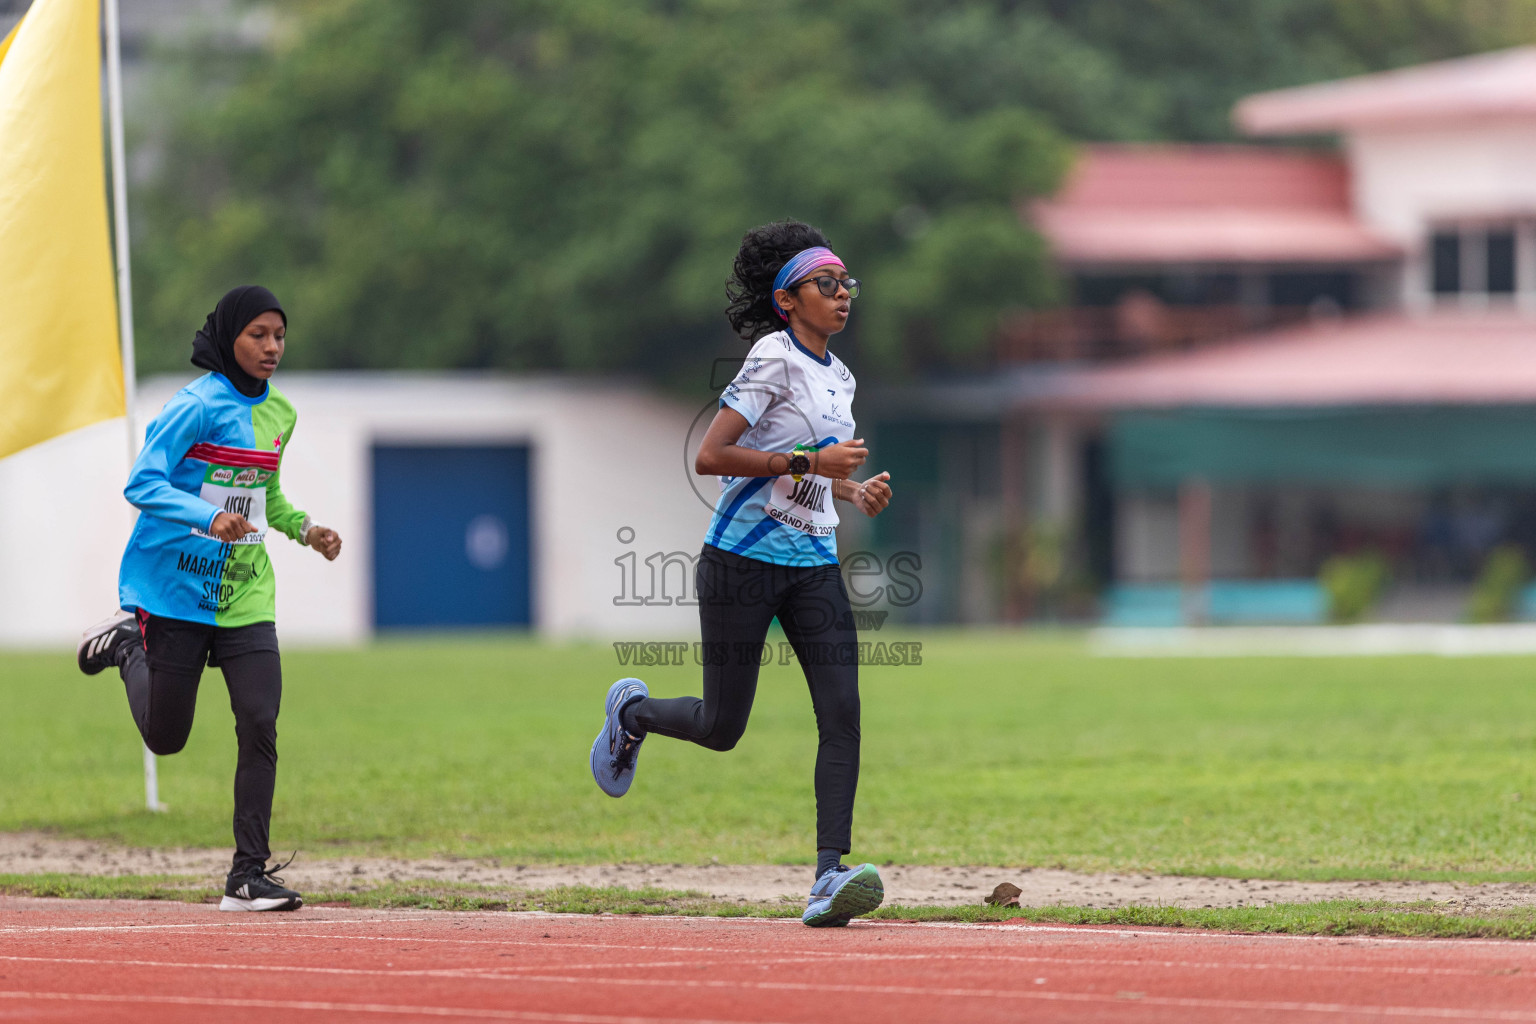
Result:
x=799 y=463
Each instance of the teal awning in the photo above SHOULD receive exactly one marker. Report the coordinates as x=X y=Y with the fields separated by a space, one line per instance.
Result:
x=1375 y=446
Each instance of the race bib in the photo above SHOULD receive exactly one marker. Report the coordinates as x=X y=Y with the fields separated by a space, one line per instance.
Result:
x=805 y=505
x=242 y=492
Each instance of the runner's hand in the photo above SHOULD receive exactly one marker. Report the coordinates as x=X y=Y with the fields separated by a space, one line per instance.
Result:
x=873 y=494
x=324 y=540
x=230 y=527
x=840 y=460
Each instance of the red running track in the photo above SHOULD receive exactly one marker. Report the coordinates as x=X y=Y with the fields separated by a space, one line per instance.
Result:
x=85 y=961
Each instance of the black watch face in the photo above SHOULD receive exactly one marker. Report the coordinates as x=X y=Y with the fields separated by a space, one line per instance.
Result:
x=799 y=465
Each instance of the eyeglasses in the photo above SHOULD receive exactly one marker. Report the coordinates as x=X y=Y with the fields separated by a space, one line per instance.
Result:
x=828 y=286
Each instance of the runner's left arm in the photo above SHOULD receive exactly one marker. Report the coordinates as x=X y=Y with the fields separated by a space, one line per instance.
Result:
x=281 y=515
x=871 y=496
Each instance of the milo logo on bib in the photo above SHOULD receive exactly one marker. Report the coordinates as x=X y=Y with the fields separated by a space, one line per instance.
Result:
x=241 y=492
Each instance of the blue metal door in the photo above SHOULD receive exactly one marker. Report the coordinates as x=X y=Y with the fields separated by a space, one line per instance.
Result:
x=450 y=537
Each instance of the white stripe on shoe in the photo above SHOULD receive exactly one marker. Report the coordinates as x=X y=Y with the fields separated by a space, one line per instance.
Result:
x=260 y=903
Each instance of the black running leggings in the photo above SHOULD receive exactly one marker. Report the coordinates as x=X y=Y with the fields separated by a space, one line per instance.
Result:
x=161 y=677
x=738 y=599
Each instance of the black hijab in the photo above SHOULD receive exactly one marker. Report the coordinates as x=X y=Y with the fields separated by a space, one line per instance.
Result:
x=214 y=347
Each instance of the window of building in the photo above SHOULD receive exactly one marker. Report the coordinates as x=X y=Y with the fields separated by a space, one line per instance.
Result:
x=1501 y=261
x=1445 y=262
x=1176 y=288
x=1305 y=288
x=1482 y=259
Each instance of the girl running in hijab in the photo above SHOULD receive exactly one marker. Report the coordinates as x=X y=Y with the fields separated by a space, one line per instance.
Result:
x=783 y=444
x=195 y=585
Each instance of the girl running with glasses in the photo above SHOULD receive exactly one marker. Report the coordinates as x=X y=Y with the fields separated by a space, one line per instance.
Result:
x=782 y=443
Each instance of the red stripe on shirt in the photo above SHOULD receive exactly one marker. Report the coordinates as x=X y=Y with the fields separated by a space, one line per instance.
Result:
x=245 y=458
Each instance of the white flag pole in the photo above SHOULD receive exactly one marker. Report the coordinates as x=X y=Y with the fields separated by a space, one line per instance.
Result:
x=125 y=292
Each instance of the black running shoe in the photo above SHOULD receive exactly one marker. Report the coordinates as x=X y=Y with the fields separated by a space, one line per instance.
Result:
x=99 y=645
x=259 y=890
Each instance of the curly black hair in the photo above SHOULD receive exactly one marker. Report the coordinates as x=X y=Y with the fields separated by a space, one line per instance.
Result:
x=763 y=253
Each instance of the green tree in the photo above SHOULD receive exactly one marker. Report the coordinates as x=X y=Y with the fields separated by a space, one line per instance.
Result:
x=534 y=183
x=564 y=184
x=1161 y=69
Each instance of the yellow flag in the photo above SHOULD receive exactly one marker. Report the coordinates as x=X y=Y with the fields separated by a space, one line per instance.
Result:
x=59 y=362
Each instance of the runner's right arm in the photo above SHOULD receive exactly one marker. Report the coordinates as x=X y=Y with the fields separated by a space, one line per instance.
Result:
x=720 y=455
x=171 y=436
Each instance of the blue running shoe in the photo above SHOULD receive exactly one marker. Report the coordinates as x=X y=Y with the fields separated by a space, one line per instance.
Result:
x=843 y=893
x=615 y=749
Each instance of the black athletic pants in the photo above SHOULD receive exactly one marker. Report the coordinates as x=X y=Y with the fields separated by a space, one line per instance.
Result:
x=738 y=599
x=161 y=676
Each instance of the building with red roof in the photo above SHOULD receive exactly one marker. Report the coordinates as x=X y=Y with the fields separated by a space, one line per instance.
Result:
x=1215 y=206
x=1271 y=357
x=1172 y=246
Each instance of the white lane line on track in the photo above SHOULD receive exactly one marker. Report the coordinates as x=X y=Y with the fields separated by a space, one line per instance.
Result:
x=778 y=956
x=761 y=957
x=514 y=972
x=1181 y=1002
x=1014 y=925
x=786 y=986
x=328 y=1007
x=225 y=924
x=285 y=926
x=439 y=972
x=1191 y=934
x=735 y=951
x=1433 y=1012
x=1006 y=928
x=1081 y=930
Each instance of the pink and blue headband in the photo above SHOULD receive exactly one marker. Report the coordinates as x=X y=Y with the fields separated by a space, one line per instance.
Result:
x=799 y=265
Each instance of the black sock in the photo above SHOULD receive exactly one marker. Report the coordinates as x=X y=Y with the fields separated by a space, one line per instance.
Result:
x=627 y=718
x=827 y=859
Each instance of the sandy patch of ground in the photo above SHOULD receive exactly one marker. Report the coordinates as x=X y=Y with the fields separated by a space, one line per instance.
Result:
x=912 y=885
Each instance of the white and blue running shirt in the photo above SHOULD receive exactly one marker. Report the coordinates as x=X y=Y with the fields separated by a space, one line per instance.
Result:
x=788 y=397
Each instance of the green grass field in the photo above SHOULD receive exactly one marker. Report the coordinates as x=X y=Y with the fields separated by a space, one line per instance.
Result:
x=997 y=750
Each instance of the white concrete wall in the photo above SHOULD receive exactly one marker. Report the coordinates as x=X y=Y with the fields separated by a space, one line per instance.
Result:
x=1405 y=180
x=603 y=456
x=1231 y=540
x=63 y=523
x=1147 y=537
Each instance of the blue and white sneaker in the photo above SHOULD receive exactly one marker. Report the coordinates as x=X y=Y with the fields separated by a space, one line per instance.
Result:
x=842 y=894
x=615 y=749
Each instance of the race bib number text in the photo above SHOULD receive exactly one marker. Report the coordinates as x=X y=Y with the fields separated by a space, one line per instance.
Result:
x=804 y=505
x=241 y=492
